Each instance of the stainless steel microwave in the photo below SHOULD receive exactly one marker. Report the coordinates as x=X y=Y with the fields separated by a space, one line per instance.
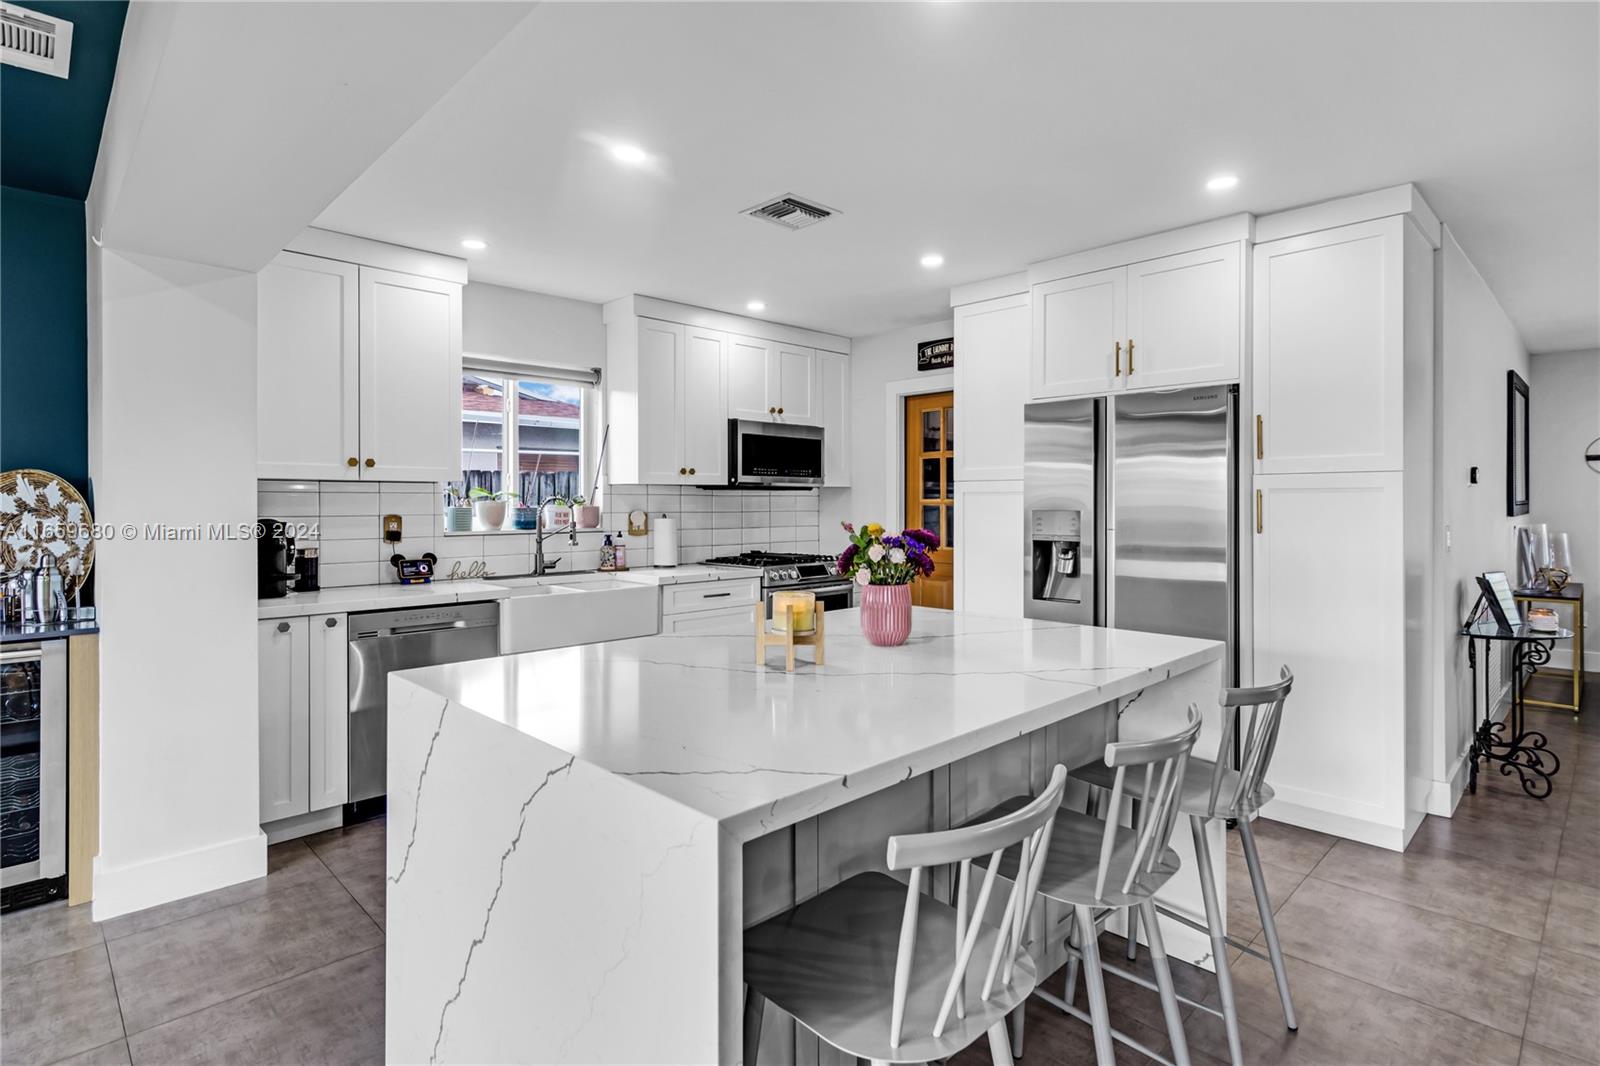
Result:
x=773 y=455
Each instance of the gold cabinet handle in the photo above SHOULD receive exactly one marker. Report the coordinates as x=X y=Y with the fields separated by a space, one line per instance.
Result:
x=1260 y=452
x=1130 y=356
x=1259 y=523
x=352 y=461
x=1117 y=362
x=371 y=463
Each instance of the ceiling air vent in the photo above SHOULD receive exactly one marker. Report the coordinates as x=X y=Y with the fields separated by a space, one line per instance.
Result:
x=34 y=41
x=790 y=212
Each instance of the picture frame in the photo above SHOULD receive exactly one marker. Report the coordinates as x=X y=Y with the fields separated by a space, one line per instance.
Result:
x=1502 y=603
x=1517 y=471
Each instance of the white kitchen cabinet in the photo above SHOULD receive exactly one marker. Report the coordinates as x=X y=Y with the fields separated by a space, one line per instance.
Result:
x=1328 y=350
x=990 y=567
x=693 y=596
x=833 y=388
x=721 y=620
x=308 y=407
x=1185 y=319
x=410 y=377
x=773 y=381
x=704 y=422
x=655 y=403
x=991 y=384
x=358 y=372
x=285 y=702
x=328 y=762
x=1329 y=590
x=1079 y=325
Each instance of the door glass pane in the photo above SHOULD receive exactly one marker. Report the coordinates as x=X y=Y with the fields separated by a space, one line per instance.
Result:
x=549 y=441
x=949 y=429
x=930 y=479
x=930 y=519
x=930 y=431
x=483 y=430
x=948 y=539
x=949 y=479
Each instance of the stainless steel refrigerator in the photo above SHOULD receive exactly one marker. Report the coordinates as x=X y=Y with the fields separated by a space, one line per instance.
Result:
x=1130 y=504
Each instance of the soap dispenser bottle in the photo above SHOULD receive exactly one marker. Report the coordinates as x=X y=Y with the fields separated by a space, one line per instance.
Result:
x=608 y=554
x=620 y=562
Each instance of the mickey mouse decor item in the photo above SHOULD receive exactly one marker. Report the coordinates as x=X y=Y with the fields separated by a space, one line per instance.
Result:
x=414 y=571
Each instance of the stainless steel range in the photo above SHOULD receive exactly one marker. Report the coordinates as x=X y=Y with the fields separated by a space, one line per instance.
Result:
x=788 y=570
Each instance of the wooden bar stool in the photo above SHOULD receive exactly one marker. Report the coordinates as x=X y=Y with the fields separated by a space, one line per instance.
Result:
x=880 y=971
x=1099 y=866
x=1211 y=791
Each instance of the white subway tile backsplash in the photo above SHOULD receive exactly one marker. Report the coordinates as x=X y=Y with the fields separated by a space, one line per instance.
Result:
x=726 y=502
x=756 y=520
x=359 y=488
x=333 y=575
x=785 y=501
x=694 y=537
x=286 y=504
x=351 y=503
x=694 y=520
x=349 y=551
x=695 y=500
x=350 y=527
x=410 y=502
x=727 y=520
x=756 y=501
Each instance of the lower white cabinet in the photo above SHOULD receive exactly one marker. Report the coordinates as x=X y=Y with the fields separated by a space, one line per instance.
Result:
x=1329 y=602
x=284 y=710
x=988 y=542
x=304 y=708
x=703 y=606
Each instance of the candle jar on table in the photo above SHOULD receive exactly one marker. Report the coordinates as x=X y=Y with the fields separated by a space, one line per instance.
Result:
x=804 y=605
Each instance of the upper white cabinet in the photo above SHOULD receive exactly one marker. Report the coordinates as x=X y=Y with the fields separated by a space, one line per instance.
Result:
x=358 y=372
x=1185 y=319
x=1329 y=332
x=675 y=375
x=410 y=377
x=773 y=381
x=307 y=369
x=991 y=381
x=833 y=386
x=1159 y=323
x=1079 y=326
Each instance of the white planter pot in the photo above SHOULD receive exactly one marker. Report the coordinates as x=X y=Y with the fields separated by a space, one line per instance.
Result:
x=490 y=514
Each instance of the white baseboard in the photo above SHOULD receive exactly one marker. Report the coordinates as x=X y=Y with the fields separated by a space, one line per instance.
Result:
x=303 y=825
x=123 y=889
x=1362 y=830
x=1444 y=795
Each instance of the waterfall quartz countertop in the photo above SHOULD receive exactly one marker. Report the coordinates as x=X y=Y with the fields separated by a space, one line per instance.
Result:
x=574 y=833
x=694 y=718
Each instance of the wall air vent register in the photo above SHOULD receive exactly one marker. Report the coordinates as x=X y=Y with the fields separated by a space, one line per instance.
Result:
x=790 y=212
x=34 y=41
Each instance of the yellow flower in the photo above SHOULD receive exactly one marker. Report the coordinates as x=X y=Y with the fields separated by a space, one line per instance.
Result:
x=873 y=530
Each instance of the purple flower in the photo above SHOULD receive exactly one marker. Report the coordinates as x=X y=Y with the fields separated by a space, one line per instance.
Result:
x=926 y=537
x=846 y=558
x=848 y=527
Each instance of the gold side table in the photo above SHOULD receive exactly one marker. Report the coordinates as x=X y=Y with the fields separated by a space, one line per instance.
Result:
x=1570 y=595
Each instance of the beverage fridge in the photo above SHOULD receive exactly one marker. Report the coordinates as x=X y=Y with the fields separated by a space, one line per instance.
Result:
x=1129 y=506
x=33 y=773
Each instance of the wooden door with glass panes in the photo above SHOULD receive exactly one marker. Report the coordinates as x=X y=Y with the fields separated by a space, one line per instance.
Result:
x=931 y=490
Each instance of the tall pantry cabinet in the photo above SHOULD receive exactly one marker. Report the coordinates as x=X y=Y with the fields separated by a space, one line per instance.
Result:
x=1342 y=519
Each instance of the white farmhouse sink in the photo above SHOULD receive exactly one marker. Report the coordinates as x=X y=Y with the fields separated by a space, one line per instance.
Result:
x=583 y=609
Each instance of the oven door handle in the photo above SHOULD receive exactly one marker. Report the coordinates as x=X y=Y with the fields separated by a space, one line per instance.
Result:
x=831 y=590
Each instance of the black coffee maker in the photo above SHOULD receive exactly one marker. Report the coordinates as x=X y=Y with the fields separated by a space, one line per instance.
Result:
x=274 y=558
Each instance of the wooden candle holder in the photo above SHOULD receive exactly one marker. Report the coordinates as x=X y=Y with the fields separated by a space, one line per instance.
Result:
x=788 y=639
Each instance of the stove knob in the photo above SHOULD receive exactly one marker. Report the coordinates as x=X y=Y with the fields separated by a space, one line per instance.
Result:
x=791 y=573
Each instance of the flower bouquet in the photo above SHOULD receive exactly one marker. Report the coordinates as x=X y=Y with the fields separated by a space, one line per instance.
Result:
x=883 y=567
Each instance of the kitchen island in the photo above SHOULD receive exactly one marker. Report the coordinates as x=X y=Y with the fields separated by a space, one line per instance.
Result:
x=577 y=837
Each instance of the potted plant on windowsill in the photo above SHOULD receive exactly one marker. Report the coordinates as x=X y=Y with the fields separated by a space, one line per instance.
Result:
x=883 y=568
x=489 y=508
x=585 y=514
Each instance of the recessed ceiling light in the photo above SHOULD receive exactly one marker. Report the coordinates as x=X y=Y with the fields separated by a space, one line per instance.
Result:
x=1222 y=182
x=473 y=244
x=755 y=305
x=933 y=260
x=630 y=154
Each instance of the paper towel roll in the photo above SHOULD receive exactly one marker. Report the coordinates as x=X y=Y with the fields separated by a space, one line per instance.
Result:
x=664 y=542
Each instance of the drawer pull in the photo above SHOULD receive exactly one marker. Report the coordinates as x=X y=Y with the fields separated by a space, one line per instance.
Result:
x=352 y=461
x=1260 y=451
x=283 y=627
x=715 y=595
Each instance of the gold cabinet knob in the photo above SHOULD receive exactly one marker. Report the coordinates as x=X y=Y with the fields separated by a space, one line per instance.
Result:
x=683 y=470
x=772 y=410
x=371 y=463
x=691 y=470
x=352 y=461
x=283 y=627
x=780 y=410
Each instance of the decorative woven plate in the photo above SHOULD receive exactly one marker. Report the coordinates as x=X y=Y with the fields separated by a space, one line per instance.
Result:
x=40 y=513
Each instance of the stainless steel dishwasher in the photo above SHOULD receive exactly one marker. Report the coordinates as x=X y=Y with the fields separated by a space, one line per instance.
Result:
x=381 y=641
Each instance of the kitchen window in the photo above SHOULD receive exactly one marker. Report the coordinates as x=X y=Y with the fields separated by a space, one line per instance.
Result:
x=523 y=429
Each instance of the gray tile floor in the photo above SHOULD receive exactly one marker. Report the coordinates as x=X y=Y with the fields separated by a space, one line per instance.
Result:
x=1479 y=945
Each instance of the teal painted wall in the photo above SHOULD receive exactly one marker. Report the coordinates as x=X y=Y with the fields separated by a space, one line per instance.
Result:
x=44 y=344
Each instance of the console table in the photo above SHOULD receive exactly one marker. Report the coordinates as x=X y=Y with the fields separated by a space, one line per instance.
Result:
x=1569 y=595
x=1510 y=743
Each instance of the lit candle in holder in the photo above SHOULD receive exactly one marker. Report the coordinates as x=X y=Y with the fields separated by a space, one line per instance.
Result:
x=804 y=605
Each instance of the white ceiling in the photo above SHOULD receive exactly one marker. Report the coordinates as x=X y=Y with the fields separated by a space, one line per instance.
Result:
x=996 y=134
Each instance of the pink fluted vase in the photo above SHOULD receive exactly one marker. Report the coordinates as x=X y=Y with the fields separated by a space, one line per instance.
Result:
x=886 y=614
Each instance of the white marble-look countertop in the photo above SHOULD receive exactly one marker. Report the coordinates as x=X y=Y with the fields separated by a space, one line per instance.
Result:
x=694 y=718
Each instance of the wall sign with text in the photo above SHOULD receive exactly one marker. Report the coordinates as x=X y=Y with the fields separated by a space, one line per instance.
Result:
x=936 y=355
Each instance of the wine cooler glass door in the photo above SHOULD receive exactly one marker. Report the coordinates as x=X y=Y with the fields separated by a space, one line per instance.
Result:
x=32 y=762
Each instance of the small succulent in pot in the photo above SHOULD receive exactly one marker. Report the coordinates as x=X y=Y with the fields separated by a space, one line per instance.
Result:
x=489 y=508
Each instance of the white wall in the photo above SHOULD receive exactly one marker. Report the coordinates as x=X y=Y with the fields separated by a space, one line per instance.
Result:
x=531 y=327
x=172 y=392
x=1564 y=417
x=874 y=444
x=1477 y=345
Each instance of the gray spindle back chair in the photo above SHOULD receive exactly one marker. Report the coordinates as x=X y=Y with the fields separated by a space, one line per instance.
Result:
x=1253 y=715
x=1029 y=827
x=1158 y=810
